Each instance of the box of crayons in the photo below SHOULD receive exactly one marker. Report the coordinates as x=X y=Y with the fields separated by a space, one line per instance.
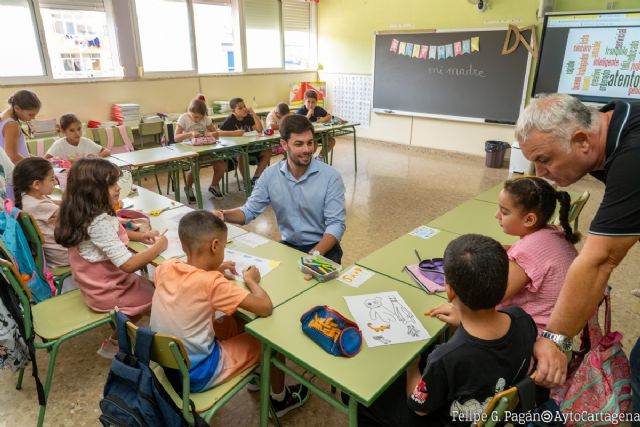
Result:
x=321 y=268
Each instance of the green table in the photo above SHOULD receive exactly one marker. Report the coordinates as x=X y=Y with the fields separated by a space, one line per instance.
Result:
x=363 y=377
x=154 y=160
x=327 y=132
x=116 y=161
x=147 y=201
x=391 y=259
x=473 y=216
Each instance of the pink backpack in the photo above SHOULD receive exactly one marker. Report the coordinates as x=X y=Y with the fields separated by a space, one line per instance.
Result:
x=599 y=378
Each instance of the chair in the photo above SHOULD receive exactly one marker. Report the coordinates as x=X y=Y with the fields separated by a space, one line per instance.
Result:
x=575 y=209
x=520 y=396
x=169 y=353
x=54 y=320
x=155 y=129
x=40 y=149
x=34 y=237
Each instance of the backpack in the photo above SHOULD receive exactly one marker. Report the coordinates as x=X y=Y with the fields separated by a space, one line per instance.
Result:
x=15 y=349
x=133 y=396
x=39 y=283
x=599 y=378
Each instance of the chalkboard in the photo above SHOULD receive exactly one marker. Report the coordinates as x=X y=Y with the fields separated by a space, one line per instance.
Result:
x=457 y=74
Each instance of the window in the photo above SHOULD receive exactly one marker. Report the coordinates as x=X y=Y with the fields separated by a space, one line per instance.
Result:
x=19 y=49
x=296 y=20
x=262 y=33
x=80 y=40
x=165 y=35
x=217 y=46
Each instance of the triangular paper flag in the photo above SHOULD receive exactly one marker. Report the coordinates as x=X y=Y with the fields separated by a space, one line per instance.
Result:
x=394 y=46
x=440 y=52
x=466 y=46
x=408 y=50
x=449 y=50
x=457 y=48
x=432 y=52
x=475 y=44
x=423 y=52
x=416 y=51
x=401 y=48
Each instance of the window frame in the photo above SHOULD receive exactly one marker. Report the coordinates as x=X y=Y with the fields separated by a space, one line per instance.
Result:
x=239 y=37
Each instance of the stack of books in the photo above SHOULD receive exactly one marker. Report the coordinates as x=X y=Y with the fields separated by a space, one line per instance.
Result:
x=126 y=114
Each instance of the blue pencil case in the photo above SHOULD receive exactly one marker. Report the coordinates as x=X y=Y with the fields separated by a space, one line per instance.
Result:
x=332 y=331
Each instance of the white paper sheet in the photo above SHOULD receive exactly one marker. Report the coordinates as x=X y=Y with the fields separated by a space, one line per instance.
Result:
x=385 y=319
x=355 y=276
x=424 y=232
x=244 y=260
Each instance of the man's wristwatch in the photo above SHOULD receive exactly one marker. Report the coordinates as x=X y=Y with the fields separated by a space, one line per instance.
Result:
x=563 y=342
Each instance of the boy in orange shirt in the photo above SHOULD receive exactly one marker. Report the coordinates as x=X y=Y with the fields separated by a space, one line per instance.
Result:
x=187 y=297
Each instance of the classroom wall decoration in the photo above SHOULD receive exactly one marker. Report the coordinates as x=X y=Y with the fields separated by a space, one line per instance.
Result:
x=296 y=94
x=449 y=74
x=349 y=96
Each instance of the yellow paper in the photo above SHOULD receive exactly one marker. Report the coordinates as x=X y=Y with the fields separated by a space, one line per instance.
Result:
x=416 y=51
x=401 y=48
x=475 y=44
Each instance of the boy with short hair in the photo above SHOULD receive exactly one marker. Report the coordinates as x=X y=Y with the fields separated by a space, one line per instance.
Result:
x=187 y=297
x=316 y=114
x=246 y=120
x=489 y=352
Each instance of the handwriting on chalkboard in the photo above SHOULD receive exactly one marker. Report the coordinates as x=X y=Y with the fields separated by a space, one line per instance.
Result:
x=467 y=71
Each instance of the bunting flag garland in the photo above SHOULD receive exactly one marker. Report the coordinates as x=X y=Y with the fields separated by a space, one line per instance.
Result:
x=425 y=52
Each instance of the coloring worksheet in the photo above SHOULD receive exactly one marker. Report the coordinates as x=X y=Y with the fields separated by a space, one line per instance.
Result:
x=384 y=318
x=244 y=260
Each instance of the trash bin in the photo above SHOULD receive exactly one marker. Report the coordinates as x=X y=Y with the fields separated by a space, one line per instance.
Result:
x=495 y=153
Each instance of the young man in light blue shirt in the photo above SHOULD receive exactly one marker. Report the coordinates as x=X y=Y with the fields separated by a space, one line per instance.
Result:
x=306 y=194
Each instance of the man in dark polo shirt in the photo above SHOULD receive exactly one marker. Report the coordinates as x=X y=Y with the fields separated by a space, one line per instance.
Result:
x=565 y=140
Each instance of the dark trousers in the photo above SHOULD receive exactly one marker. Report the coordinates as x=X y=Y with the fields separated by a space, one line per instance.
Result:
x=334 y=254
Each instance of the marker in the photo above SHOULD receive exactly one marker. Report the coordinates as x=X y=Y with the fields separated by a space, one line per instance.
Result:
x=499 y=122
x=388 y=111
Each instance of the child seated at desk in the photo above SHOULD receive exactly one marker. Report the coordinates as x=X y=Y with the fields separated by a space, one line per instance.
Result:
x=33 y=182
x=243 y=119
x=316 y=114
x=489 y=352
x=74 y=146
x=539 y=261
x=275 y=117
x=188 y=295
x=192 y=124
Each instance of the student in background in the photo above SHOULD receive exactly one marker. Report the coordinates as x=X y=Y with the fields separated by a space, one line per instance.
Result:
x=246 y=120
x=316 y=114
x=102 y=266
x=306 y=195
x=487 y=354
x=74 y=146
x=24 y=106
x=192 y=124
x=539 y=261
x=275 y=117
x=188 y=295
x=33 y=183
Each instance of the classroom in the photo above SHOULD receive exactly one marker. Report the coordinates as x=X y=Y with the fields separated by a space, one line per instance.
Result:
x=426 y=123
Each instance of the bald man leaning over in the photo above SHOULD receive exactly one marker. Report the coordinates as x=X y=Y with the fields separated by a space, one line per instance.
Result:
x=565 y=140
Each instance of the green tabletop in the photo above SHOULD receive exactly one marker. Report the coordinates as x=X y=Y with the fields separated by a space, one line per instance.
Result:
x=286 y=280
x=473 y=216
x=116 y=161
x=491 y=195
x=391 y=259
x=152 y=156
x=147 y=201
x=364 y=376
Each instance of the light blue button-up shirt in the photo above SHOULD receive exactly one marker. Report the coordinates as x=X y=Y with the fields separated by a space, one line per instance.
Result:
x=305 y=209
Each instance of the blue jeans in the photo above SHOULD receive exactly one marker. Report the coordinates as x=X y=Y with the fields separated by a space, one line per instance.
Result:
x=635 y=380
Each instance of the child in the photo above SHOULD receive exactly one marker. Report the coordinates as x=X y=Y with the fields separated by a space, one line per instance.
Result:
x=33 y=182
x=275 y=117
x=539 y=261
x=101 y=265
x=74 y=146
x=23 y=106
x=488 y=353
x=192 y=124
x=188 y=295
x=245 y=119
x=316 y=114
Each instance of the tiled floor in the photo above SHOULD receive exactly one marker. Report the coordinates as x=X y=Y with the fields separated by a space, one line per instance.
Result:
x=395 y=189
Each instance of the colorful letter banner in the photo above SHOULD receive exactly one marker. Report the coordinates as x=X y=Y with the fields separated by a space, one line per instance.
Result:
x=475 y=44
x=440 y=52
x=466 y=46
x=409 y=49
x=394 y=46
x=401 y=48
x=423 y=52
x=432 y=52
x=457 y=48
x=449 y=50
x=416 y=51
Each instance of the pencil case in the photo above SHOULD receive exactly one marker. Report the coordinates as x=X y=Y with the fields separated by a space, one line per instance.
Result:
x=336 y=334
x=322 y=269
x=204 y=140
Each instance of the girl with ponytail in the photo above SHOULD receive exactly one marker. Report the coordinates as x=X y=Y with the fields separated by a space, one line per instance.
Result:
x=539 y=261
x=24 y=105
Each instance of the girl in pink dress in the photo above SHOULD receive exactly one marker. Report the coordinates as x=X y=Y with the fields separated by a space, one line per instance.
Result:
x=102 y=266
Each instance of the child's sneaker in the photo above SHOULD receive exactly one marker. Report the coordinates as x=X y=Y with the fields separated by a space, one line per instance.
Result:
x=295 y=396
x=188 y=191
x=108 y=349
x=254 y=384
x=215 y=190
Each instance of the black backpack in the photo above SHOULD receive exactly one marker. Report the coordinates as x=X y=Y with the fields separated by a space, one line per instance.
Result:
x=133 y=396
